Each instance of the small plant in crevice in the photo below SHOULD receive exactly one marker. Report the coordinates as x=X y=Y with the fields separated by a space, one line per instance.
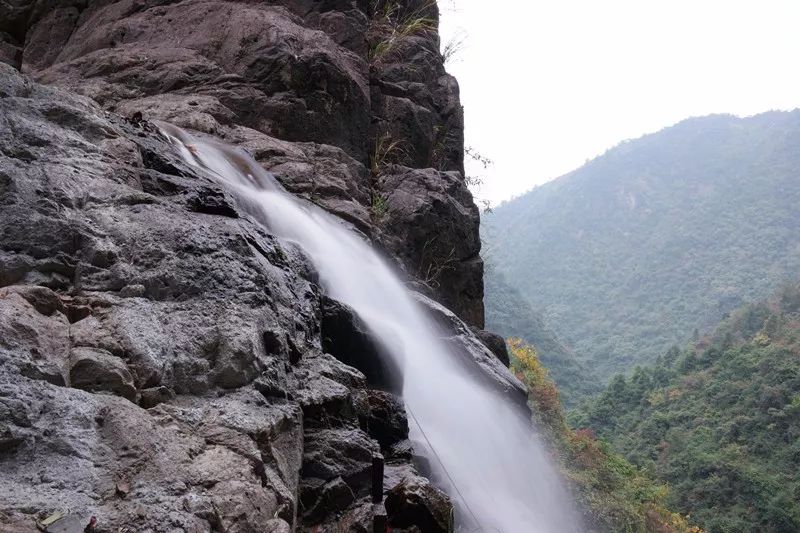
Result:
x=435 y=262
x=453 y=47
x=474 y=182
x=379 y=206
x=387 y=151
x=448 y=136
x=444 y=135
x=437 y=153
x=391 y=24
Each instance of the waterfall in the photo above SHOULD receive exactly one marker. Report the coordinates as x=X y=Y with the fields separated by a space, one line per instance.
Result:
x=493 y=465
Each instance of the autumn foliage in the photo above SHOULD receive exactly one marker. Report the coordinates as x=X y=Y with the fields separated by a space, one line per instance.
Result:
x=613 y=494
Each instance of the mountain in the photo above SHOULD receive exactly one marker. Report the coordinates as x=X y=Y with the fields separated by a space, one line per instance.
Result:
x=718 y=421
x=510 y=315
x=660 y=235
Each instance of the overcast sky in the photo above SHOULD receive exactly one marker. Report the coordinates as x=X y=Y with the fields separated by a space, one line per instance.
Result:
x=548 y=84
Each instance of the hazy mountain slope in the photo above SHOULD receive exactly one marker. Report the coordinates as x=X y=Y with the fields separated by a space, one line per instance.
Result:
x=720 y=422
x=510 y=315
x=631 y=252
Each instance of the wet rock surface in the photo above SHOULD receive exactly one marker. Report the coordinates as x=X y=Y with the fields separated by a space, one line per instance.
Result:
x=165 y=362
x=474 y=353
x=312 y=89
x=383 y=416
x=495 y=343
x=79 y=225
x=346 y=336
x=415 y=504
x=161 y=364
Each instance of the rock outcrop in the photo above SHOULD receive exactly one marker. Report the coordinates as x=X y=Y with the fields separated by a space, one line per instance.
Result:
x=341 y=101
x=162 y=358
x=165 y=362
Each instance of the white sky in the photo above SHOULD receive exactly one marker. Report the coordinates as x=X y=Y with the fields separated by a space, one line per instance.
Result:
x=548 y=84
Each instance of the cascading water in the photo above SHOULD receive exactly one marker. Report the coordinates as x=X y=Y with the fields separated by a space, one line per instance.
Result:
x=480 y=445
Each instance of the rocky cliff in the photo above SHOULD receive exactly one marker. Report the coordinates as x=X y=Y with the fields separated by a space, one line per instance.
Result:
x=164 y=360
x=347 y=103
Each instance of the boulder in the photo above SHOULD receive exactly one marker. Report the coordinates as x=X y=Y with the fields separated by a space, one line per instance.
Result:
x=383 y=416
x=95 y=370
x=345 y=453
x=337 y=470
x=153 y=396
x=495 y=343
x=32 y=344
x=414 y=502
x=44 y=300
x=346 y=337
x=325 y=400
x=323 y=498
x=90 y=332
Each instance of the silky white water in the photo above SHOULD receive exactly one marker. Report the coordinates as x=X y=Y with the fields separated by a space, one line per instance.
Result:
x=480 y=446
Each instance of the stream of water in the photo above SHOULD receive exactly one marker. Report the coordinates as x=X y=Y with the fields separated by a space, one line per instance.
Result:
x=495 y=467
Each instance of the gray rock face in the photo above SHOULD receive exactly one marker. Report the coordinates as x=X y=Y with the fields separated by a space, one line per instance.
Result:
x=434 y=228
x=495 y=343
x=90 y=211
x=346 y=336
x=165 y=362
x=383 y=415
x=160 y=353
x=310 y=88
x=97 y=370
x=415 y=503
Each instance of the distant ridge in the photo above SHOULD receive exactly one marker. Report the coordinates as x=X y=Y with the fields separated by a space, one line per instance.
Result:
x=630 y=253
x=515 y=318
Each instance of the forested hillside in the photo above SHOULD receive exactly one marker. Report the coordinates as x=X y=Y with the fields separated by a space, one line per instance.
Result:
x=509 y=314
x=661 y=235
x=718 y=421
x=613 y=495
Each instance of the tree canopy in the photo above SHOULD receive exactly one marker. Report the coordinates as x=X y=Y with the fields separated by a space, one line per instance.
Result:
x=718 y=421
x=627 y=255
